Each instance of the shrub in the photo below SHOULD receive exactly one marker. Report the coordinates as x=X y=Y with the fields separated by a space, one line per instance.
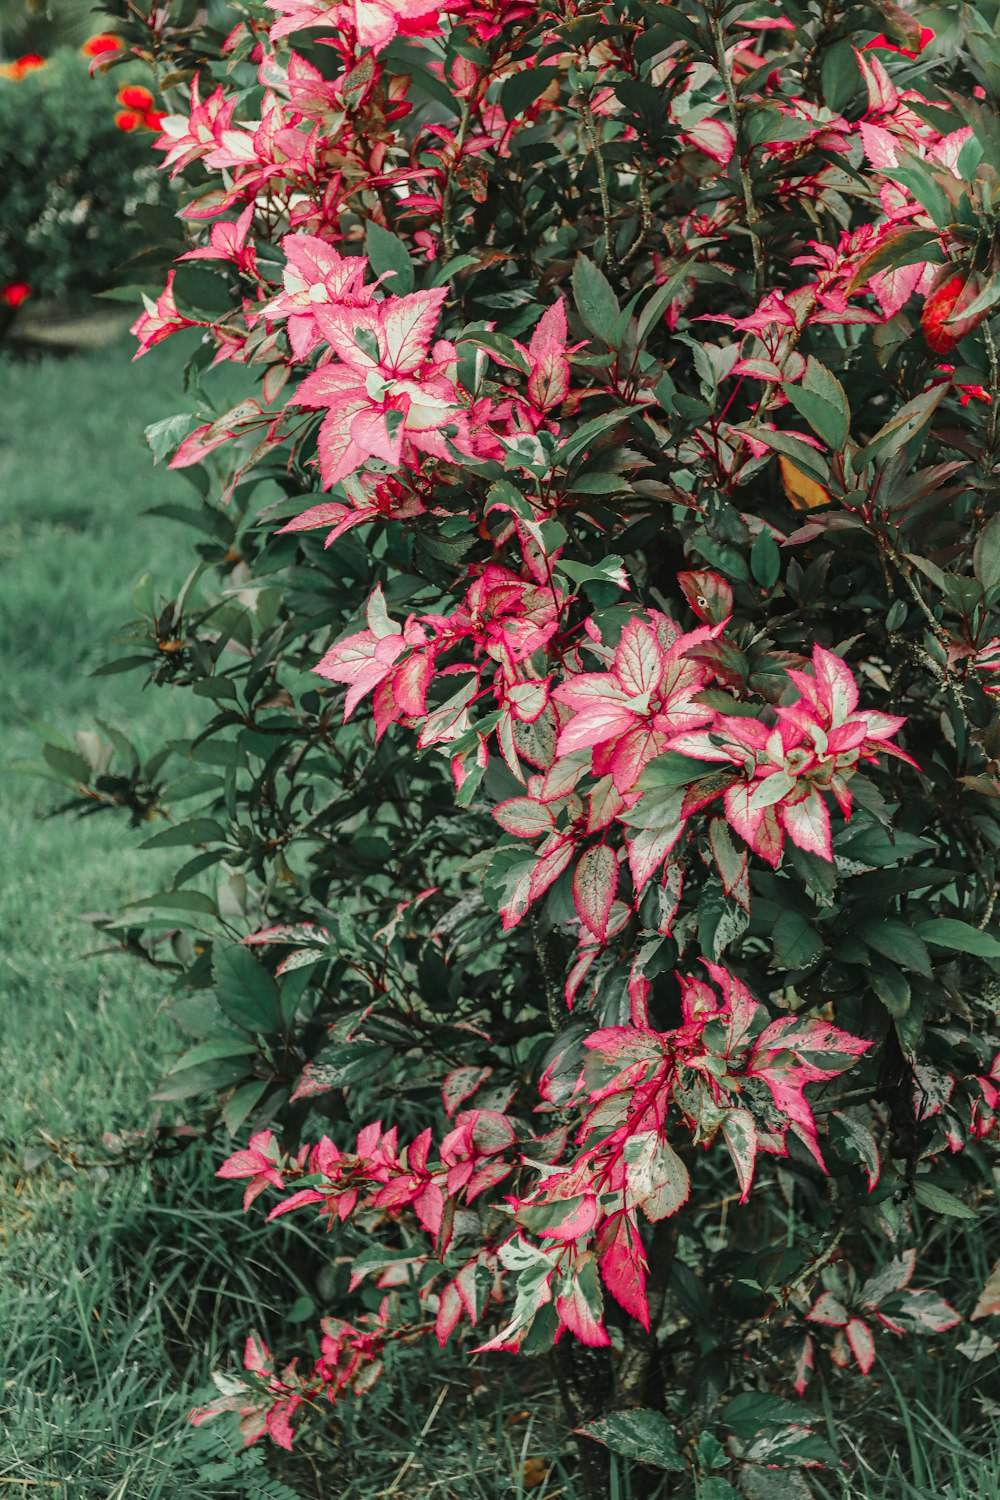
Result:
x=587 y=906
x=72 y=178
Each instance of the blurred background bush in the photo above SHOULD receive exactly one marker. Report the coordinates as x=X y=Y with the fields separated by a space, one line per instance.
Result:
x=76 y=162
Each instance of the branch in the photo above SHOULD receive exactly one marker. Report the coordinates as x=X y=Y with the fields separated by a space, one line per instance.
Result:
x=736 y=116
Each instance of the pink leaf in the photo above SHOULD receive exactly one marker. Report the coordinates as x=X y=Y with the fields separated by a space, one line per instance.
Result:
x=740 y=1134
x=827 y=1309
x=708 y=594
x=859 y=1336
x=580 y=1305
x=297 y=1200
x=623 y=1266
x=580 y=1217
x=594 y=881
x=804 y=1365
x=638 y=658
x=988 y=1303
x=279 y=1421
x=524 y=817
x=548 y=383
x=657 y=1178
x=595 y=724
x=807 y=823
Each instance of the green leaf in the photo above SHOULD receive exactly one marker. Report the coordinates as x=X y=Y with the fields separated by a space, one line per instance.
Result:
x=765 y=559
x=204 y=1078
x=875 y=846
x=246 y=992
x=802 y=455
x=597 y=482
x=194 y=831
x=594 y=297
x=387 y=254
x=891 y=986
x=898 y=942
x=673 y=769
x=941 y=1202
x=68 y=763
x=919 y=178
x=521 y=90
x=960 y=937
x=827 y=421
x=645 y=1436
x=901 y=428
x=500 y=344
x=196 y=901
x=610 y=569
x=715 y=1488
x=901 y=248
x=751 y=1411
x=196 y=287
x=797 y=944
x=163 y=437
x=243 y=1102
x=986 y=555
x=721 y=921
x=586 y=434
x=221 y=1046
x=661 y=300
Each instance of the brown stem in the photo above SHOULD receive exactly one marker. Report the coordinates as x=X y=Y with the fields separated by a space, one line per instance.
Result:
x=584 y=1381
x=602 y=182
x=555 y=1003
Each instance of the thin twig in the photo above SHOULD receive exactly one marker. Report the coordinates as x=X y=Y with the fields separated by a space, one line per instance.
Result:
x=602 y=180
x=736 y=116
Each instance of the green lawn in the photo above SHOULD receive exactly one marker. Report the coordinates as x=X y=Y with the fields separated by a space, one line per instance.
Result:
x=113 y=1282
x=74 y=482
x=121 y=1289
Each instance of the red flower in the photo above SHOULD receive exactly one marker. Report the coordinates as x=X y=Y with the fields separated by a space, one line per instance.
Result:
x=881 y=43
x=134 y=96
x=153 y=119
x=14 y=293
x=22 y=66
x=96 y=46
x=127 y=119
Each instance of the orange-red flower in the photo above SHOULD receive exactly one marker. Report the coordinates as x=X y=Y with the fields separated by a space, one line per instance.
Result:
x=128 y=119
x=14 y=293
x=22 y=66
x=153 y=119
x=134 y=96
x=104 y=41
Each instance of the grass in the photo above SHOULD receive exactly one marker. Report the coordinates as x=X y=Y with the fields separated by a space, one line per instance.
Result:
x=121 y=1290
x=114 y=1282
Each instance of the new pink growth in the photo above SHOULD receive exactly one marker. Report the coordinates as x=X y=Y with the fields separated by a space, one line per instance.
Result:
x=260 y=1162
x=630 y=713
x=815 y=748
x=160 y=319
x=391 y=396
x=373 y=22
